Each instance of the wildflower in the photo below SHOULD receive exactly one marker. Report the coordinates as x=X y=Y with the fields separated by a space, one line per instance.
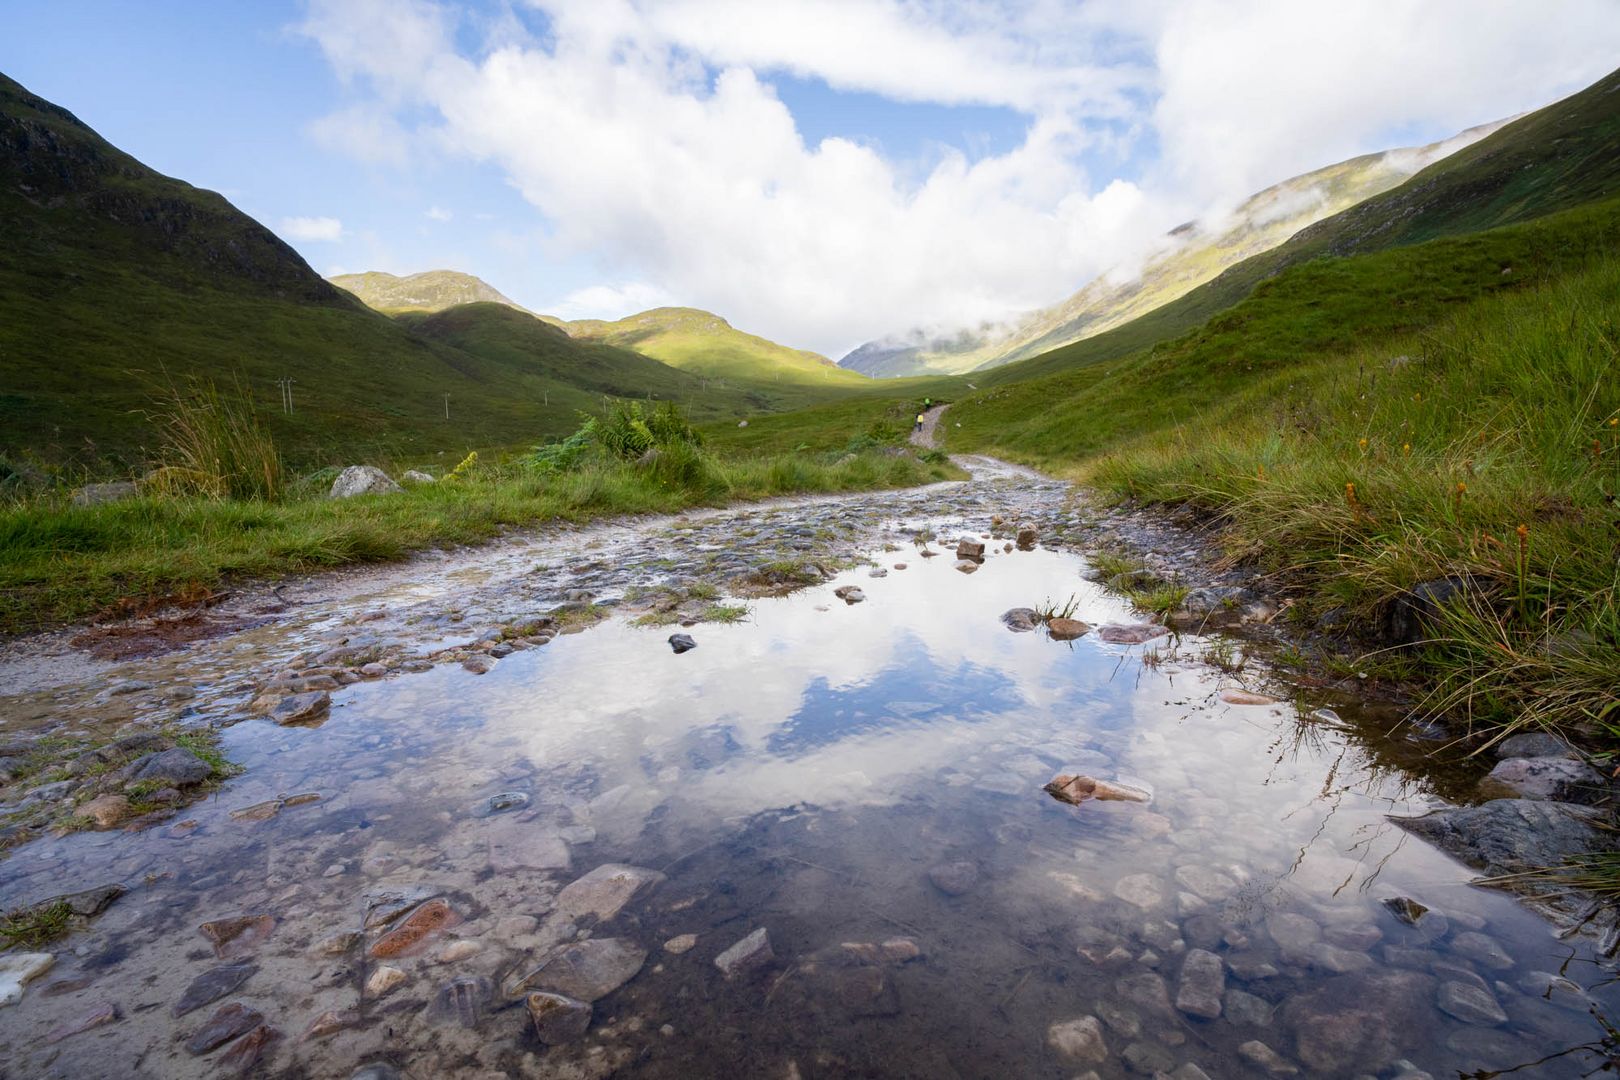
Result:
x=1362 y=443
x=1406 y=449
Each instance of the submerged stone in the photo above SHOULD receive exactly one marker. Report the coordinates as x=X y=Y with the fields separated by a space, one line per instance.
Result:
x=586 y=970
x=228 y=1021
x=558 y=1018
x=749 y=954
x=409 y=935
x=212 y=985
x=606 y=890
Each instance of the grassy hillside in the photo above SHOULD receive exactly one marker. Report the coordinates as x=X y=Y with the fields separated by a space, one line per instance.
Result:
x=1193 y=254
x=431 y=290
x=1566 y=155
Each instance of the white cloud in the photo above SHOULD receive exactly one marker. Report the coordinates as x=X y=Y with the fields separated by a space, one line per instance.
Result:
x=325 y=230
x=649 y=138
x=610 y=301
x=439 y=213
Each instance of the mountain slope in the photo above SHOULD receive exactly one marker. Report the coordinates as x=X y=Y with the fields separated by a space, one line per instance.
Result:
x=1561 y=157
x=1194 y=253
x=431 y=290
x=115 y=280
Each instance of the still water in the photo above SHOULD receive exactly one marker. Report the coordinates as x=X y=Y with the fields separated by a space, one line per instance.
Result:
x=863 y=782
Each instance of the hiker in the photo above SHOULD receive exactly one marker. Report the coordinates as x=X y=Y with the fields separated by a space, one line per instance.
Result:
x=928 y=403
x=919 y=422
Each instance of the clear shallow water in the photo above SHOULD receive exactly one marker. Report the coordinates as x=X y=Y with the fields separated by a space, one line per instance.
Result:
x=804 y=772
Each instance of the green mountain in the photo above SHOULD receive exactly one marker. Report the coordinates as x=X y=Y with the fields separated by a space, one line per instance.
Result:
x=116 y=280
x=1194 y=254
x=1557 y=158
x=431 y=290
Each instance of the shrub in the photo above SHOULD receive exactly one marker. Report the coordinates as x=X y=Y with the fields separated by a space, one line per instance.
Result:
x=213 y=445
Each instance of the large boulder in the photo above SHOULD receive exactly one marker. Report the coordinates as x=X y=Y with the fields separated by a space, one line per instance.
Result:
x=1560 y=779
x=362 y=480
x=1508 y=836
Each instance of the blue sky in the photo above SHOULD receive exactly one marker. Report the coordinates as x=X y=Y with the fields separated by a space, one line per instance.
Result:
x=818 y=173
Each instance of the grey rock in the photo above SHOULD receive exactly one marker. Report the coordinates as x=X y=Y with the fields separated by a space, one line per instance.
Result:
x=1415 y=614
x=96 y=494
x=416 y=476
x=849 y=594
x=1360 y=1021
x=499 y=804
x=1339 y=961
x=1470 y=1003
x=1147 y=1059
x=1265 y=1058
x=304 y=708
x=1560 y=779
x=177 y=767
x=682 y=642
x=749 y=954
x=1215 y=598
x=1145 y=990
x=1020 y=620
x=1508 y=836
x=88 y=902
x=362 y=480
x=584 y=970
x=212 y=985
x=1533 y=744
x=954 y=878
x=967 y=566
x=1246 y=1008
x=1079 y=1040
x=229 y=1021
x=377 y=1070
x=1294 y=934
x=558 y=1019
x=462 y=1002
x=605 y=891
x=1189 y=1071
x=1131 y=635
x=1482 y=950
x=1203 y=981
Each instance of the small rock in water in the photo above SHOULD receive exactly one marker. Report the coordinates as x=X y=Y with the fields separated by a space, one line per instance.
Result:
x=177 y=767
x=479 y=665
x=506 y=800
x=1079 y=1040
x=967 y=566
x=1482 y=950
x=970 y=549
x=899 y=566
x=1066 y=629
x=262 y=811
x=1078 y=789
x=1470 y=1003
x=604 y=891
x=557 y=1018
x=99 y=1016
x=1244 y=697
x=849 y=594
x=1131 y=635
x=384 y=979
x=1020 y=620
x=330 y=1022
x=306 y=708
x=212 y=985
x=752 y=952
x=586 y=970
x=236 y=937
x=460 y=1001
x=105 y=810
x=427 y=919
x=1143 y=890
x=242 y=1054
x=1203 y=981
x=88 y=902
x=877 y=572
x=679 y=944
x=1266 y=1058
x=1560 y=779
x=1405 y=909
x=17 y=970
x=338 y=943
x=457 y=951
x=1027 y=535
x=954 y=878
x=682 y=642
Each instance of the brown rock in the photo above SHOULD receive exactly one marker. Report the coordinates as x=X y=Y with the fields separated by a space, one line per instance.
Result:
x=105 y=810
x=970 y=549
x=418 y=926
x=1131 y=635
x=1078 y=789
x=1066 y=629
x=245 y=1052
x=1244 y=697
x=330 y=1023
x=99 y=1016
x=229 y=1021
x=240 y=936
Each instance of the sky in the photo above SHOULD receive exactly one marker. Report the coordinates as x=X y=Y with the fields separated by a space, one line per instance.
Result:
x=821 y=172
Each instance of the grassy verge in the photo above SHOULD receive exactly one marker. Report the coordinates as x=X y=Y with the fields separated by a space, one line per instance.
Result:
x=60 y=562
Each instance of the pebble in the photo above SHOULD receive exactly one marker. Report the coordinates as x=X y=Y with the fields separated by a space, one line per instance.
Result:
x=1203 y=981
x=1258 y=1053
x=681 y=943
x=1066 y=629
x=1079 y=1040
x=682 y=643
x=748 y=954
x=384 y=979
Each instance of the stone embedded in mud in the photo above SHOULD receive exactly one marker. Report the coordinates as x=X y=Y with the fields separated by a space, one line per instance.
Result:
x=967 y=566
x=606 y=890
x=954 y=878
x=1078 y=789
x=849 y=594
x=229 y=1021
x=586 y=970
x=462 y=1001
x=417 y=927
x=1559 y=779
x=1245 y=697
x=17 y=970
x=1060 y=629
x=212 y=985
x=558 y=1018
x=87 y=902
x=1079 y=1040
x=749 y=954
x=383 y=979
x=178 y=767
x=682 y=643
x=1020 y=620
x=1130 y=635
x=306 y=708
x=240 y=936
x=99 y=1016
x=105 y=810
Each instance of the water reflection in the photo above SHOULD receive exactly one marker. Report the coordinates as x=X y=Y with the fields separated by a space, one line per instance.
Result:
x=836 y=774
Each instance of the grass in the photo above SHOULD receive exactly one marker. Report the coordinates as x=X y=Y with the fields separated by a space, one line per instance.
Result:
x=724 y=613
x=29 y=928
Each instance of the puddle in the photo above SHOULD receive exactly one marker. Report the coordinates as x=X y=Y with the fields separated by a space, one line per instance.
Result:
x=864 y=783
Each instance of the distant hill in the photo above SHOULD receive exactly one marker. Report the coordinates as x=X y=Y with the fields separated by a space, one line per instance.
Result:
x=1194 y=254
x=431 y=290
x=115 y=279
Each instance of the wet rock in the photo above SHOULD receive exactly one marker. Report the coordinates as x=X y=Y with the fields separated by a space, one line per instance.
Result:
x=1145 y=990
x=177 y=767
x=849 y=594
x=1078 y=789
x=98 y=1016
x=1405 y=909
x=1339 y=961
x=606 y=890
x=330 y=1022
x=374 y=670
x=212 y=985
x=1559 y=779
x=105 y=810
x=1294 y=934
x=362 y=480
x=967 y=566
x=1205 y=883
x=1360 y=1021
x=1245 y=1008
x=1508 y=836
x=479 y=665
x=462 y=1001
x=1143 y=890
x=1060 y=629
x=417 y=927
x=1189 y=1071
x=1245 y=697
x=88 y=902
x=586 y=970
x=1266 y=1059
x=1079 y=1040
x=1131 y=635
x=557 y=1018
x=1533 y=744
x=749 y=954
x=338 y=944
x=1203 y=981
x=379 y=1070
x=383 y=906
x=506 y=800
x=263 y=811
x=306 y=708
x=1470 y=1003
x=1147 y=1059
x=457 y=951
x=681 y=943
x=1359 y=938
x=515 y=844
x=970 y=550
x=1027 y=535
x=1020 y=620
x=384 y=979
x=1408 y=619
x=1556 y=989
x=877 y=572
x=237 y=937
x=17 y=970
x=245 y=1052
x=1482 y=950
x=682 y=642
x=954 y=878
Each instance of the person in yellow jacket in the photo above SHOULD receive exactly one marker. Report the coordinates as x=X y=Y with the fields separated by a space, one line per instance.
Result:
x=919 y=422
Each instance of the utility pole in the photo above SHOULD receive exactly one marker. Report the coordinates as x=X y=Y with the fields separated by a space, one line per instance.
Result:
x=286 y=386
x=447 y=406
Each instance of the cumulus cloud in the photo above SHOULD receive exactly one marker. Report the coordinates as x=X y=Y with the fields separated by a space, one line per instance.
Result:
x=649 y=136
x=325 y=230
x=439 y=213
x=611 y=301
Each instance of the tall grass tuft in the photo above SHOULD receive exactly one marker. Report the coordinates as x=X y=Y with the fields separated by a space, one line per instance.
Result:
x=213 y=445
